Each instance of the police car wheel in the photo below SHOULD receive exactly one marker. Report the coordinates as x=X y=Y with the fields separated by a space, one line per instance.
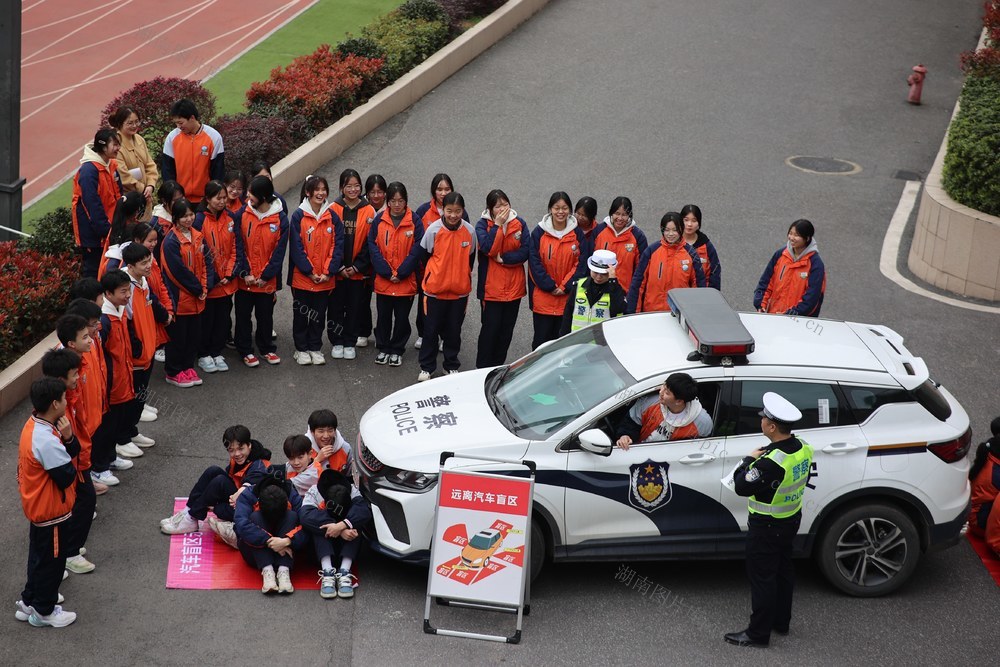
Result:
x=538 y=548
x=869 y=550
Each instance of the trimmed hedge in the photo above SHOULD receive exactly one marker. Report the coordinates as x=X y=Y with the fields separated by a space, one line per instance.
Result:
x=250 y=137
x=406 y=42
x=53 y=234
x=152 y=100
x=971 y=174
x=33 y=289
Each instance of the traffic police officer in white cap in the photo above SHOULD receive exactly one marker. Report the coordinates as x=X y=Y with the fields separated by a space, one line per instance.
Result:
x=597 y=297
x=774 y=479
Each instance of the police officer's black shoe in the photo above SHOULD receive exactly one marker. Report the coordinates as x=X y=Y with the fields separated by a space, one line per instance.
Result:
x=743 y=639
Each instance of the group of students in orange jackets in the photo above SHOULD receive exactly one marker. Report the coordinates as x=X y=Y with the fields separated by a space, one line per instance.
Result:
x=230 y=251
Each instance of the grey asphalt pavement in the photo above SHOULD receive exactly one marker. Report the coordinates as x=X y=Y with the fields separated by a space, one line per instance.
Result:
x=669 y=103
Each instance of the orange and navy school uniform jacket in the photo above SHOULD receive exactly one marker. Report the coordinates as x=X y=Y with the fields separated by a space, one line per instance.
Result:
x=46 y=476
x=555 y=260
x=261 y=248
x=628 y=247
x=188 y=270
x=160 y=290
x=89 y=402
x=76 y=414
x=428 y=213
x=710 y=264
x=355 y=235
x=502 y=281
x=117 y=354
x=256 y=536
x=111 y=258
x=302 y=481
x=662 y=268
x=449 y=254
x=313 y=514
x=193 y=160
x=396 y=250
x=984 y=514
x=98 y=377
x=219 y=234
x=315 y=245
x=645 y=417
x=144 y=311
x=236 y=206
x=792 y=286
x=96 y=189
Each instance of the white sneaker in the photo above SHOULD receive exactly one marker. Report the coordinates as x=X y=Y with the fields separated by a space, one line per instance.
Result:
x=302 y=358
x=143 y=441
x=453 y=371
x=23 y=611
x=284 y=581
x=179 y=524
x=107 y=478
x=337 y=352
x=79 y=565
x=152 y=409
x=317 y=358
x=269 y=585
x=59 y=618
x=350 y=353
x=220 y=364
x=420 y=342
x=361 y=342
x=147 y=415
x=224 y=529
x=424 y=376
x=160 y=355
x=173 y=518
x=207 y=364
x=121 y=464
x=128 y=450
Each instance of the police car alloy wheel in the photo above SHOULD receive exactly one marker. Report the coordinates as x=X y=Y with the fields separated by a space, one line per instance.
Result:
x=887 y=482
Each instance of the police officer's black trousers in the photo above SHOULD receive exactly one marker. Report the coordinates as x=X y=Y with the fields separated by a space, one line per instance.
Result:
x=771 y=573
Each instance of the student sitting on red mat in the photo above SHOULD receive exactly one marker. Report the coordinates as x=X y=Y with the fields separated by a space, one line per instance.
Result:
x=268 y=531
x=303 y=467
x=334 y=513
x=218 y=489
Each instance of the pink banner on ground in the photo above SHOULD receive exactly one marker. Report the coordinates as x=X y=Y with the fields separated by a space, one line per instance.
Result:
x=202 y=561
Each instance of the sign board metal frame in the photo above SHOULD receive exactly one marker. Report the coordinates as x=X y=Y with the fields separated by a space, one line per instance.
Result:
x=523 y=603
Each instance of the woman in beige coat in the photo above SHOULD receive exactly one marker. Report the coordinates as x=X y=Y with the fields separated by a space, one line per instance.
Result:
x=134 y=155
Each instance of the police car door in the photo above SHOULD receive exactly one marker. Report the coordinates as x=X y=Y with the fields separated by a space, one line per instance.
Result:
x=652 y=498
x=828 y=425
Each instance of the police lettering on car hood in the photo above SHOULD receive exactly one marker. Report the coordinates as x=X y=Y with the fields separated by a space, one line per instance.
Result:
x=413 y=426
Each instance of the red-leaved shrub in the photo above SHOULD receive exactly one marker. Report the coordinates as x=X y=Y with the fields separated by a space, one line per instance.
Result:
x=321 y=86
x=250 y=137
x=33 y=293
x=152 y=100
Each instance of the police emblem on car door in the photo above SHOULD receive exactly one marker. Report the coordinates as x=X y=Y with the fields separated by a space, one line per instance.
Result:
x=649 y=488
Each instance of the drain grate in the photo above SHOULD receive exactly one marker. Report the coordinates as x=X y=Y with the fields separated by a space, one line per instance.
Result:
x=905 y=175
x=823 y=165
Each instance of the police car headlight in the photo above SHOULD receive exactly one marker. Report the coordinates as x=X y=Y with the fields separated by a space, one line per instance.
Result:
x=412 y=480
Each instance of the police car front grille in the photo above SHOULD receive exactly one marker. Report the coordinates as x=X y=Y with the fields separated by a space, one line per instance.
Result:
x=370 y=461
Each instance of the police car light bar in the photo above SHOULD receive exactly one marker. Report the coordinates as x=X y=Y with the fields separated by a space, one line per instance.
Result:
x=713 y=326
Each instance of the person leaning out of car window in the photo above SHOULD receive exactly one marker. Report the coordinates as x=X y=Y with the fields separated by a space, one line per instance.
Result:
x=673 y=414
x=794 y=281
x=597 y=297
x=984 y=519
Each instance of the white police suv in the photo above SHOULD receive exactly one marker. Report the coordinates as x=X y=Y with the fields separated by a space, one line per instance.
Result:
x=888 y=481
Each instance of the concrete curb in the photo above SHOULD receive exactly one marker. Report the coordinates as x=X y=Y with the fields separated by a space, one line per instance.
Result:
x=334 y=140
x=16 y=379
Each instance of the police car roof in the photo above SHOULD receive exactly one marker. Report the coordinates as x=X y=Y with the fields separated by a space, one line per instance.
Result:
x=652 y=343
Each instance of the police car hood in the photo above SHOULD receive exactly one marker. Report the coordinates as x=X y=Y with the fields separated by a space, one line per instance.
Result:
x=410 y=428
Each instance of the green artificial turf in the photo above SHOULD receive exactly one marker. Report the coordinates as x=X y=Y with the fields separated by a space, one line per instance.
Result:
x=326 y=22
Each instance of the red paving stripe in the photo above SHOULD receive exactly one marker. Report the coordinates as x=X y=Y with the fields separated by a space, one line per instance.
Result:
x=69 y=73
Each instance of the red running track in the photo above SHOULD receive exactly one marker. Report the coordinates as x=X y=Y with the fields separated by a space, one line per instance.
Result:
x=76 y=55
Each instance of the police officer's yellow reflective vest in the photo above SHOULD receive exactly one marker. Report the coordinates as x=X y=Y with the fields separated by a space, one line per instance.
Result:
x=584 y=314
x=788 y=497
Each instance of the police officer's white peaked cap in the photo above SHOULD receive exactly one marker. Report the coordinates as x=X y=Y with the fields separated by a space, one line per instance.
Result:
x=779 y=409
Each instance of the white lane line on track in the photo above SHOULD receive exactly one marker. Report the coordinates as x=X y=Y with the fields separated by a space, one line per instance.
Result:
x=74 y=17
x=115 y=38
x=30 y=7
x=890 y=253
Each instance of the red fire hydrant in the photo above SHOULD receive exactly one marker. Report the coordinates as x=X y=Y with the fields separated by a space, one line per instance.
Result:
x=916 y=83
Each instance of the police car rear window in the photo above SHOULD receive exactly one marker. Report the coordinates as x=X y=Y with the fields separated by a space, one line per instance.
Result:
x=817 y=400
x=866 y=400
x=933 y=400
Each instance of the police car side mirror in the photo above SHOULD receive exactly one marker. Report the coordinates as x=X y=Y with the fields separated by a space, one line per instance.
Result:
x=596 y=442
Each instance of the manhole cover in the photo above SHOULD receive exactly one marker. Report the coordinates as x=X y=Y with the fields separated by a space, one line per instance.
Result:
x=823 y=165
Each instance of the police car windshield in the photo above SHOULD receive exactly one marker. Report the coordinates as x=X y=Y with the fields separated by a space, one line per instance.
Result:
x=555 y=384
